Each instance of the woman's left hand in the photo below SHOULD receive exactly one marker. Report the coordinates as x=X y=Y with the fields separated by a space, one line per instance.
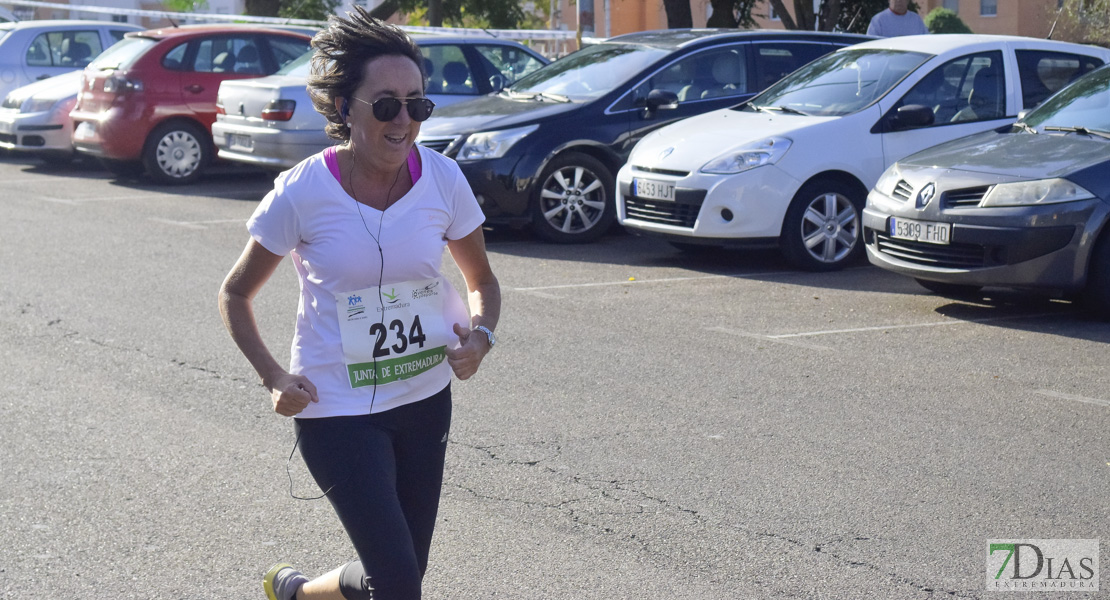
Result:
x=465 y=359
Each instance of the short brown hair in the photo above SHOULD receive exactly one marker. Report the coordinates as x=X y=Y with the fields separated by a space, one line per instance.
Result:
x=341 y=52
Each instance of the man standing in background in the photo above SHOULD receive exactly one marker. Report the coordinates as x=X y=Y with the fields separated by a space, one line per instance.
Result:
x=897 y=20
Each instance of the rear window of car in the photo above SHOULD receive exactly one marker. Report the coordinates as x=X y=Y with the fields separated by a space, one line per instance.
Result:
x=122 y=55
x=1044 y=73
x=72 y=49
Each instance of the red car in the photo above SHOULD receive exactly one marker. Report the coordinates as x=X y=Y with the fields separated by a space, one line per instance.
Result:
x=148 y=102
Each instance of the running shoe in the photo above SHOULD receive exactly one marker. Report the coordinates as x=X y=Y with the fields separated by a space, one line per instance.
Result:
x=282 y=582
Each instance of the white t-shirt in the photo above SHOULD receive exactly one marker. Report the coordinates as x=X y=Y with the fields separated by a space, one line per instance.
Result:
x=889 y=24
x=309 y=215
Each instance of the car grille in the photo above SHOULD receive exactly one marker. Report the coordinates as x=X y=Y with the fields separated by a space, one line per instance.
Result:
x=439 y=144
x=965 y=197
x=661 y=171
x=951 y=256
x=902 y=191
x=683 y=212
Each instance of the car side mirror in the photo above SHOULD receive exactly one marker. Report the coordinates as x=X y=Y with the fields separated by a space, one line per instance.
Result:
x=912 y=116
x=660 y=100
x=497 y=82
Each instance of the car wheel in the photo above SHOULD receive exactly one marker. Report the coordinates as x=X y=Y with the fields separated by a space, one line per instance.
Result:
x=123 y=169
x=176 y=153
x=1095 y=298
x=574 y=201
x=821 y=231
x=949 y=290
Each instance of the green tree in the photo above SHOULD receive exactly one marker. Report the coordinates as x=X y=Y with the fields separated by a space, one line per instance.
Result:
x=942 y=20
x=497 y=14
x=317 y=10
x=1086 y=21
x=186 y=5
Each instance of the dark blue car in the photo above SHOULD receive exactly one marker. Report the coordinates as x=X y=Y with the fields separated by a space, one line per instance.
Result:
x=545 y=151
x=1025 y=206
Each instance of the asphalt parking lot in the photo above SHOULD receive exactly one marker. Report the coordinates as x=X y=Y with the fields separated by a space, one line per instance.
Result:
x=651 y=424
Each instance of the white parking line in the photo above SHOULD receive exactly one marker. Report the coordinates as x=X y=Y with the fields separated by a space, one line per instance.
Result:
x=1061 y=395
x=767 y=338
x=196 y=224
x=907 y=326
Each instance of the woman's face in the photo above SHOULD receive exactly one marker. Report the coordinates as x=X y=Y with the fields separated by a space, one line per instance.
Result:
x=391 y=76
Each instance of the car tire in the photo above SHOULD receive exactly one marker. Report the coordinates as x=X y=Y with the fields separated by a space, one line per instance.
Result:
x=949 y=290
x=176 y=153
x=573 y=202
x=122 y=169
x=821 y=231
x=1095 y=298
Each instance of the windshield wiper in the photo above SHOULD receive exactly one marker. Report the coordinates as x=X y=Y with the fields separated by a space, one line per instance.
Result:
x=1025 y=127
x=549 y=96
x=1080 y=130
x=782 y=109
x=539 y=96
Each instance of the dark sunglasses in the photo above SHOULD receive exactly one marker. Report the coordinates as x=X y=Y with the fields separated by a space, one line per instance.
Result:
x=387 y=109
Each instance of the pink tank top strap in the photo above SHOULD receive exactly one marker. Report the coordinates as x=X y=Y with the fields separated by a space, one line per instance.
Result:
x=333 y=164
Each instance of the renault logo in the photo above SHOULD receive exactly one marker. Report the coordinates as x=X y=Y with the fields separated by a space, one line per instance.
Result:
x=666 y=153
x=925 y=195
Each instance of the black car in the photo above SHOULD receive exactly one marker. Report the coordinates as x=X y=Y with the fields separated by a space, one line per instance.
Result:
x=545 y=150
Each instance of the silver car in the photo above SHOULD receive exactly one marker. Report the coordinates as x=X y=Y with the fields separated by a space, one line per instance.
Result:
x=35 y=118
x=1025 y=206
x=270 y=122
x=33 y=50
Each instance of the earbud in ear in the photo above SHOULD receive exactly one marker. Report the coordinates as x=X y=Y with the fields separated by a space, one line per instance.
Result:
x=346 y=109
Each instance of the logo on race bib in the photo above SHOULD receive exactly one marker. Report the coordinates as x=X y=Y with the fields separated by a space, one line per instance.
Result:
x=391 y=295
x=424 y=292
x=355 y=308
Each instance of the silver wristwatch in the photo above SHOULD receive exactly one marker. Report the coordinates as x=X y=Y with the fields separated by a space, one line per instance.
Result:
x=489 y=335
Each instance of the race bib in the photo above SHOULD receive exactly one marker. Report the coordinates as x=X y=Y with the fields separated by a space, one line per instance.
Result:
x=393 y=333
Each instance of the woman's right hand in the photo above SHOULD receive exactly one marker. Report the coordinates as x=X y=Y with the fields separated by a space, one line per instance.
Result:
x=291 y=394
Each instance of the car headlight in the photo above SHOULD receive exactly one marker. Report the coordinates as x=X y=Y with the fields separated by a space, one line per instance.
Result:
x=492 y=144
x=888 y=180
x=34 y=105
x=1031 y=193
x=757 y=154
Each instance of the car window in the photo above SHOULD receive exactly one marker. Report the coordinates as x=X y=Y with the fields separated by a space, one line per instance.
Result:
x=447 y=71
x=117 y=34
x=840 y=83
x=174 y=60
x=73 y=49
x=287 y=49
x=969 y=88
x=506 y=64
x=591 y=72
x=775 y=60
x=714 y=73
x=298 y=67
x=1044 y=73
x=123 y=54
x=228 y=55
x=1086 y=103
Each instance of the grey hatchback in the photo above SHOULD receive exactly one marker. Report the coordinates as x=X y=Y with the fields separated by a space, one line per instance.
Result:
x=1024 y=206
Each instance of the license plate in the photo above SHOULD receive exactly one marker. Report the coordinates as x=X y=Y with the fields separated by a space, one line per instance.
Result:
x=653 y=190
x=238 y=141
x=920 y=231
x=84 y=130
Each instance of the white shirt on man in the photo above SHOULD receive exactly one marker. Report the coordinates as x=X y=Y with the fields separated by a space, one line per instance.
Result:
x=890 y=24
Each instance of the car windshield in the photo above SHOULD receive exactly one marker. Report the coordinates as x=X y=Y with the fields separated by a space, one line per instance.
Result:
x=1084 y=104
x=299 y=67
x=838 y=84
x=121 y=54
x=588 y=73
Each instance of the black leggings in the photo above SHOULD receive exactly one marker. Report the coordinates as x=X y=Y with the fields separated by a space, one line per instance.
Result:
x=387 y=471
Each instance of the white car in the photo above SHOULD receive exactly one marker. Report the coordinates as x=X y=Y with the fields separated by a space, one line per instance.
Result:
x=792 y=166
x=33 y=50
x=35 y=118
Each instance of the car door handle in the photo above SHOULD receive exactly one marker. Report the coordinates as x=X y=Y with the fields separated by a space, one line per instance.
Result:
x=41 y=77
x=194 y=88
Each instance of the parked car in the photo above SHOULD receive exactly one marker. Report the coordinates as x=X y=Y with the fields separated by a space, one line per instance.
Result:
x=7 y=16
x=791 y=167
x=1022 y=207
x=35 y=118
x=544 y=150
x=270 y=121
x=150 y=101
x=33 y=50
